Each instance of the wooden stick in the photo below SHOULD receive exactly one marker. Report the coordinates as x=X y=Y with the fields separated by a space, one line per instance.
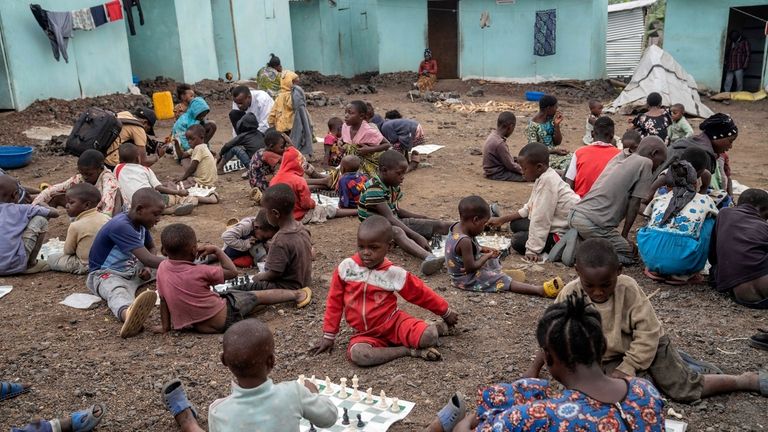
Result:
x=653 y=293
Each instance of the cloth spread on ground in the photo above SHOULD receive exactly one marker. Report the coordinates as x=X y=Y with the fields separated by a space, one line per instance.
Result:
x=545 y=32
x=127 y=5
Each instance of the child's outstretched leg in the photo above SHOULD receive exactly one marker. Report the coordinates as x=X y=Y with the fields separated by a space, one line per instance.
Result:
x=370 y=351
x=748 y=382
x=430 y=264
x=548 y=289
x=175 y=399
x=80 y=421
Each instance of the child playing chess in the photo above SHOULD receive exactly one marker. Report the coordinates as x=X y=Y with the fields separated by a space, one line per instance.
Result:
x=473 y=267
x=121 y=256
x=636 y=344
x=351 y=183
x=331 y=147
x=22 y=228
x=588 y=162
x=186 y=299
x=256 y=403
x=306 y=209
x=266 y=161
x=82 y=200
x=90 y=169
x=133 y=176
x=195 y=115
x=246 y=241
x=595 y=111
x=363 y=290
x=202 y=168
x=544 y=218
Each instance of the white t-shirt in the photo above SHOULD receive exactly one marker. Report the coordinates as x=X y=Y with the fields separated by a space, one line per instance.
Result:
x=261 y=105
x=132 y=177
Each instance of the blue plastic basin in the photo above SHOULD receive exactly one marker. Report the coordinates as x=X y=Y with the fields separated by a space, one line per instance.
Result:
x=534 y=96
x=14 y=156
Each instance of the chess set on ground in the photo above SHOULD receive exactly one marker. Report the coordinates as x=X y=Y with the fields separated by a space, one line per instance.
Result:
x=358 y=411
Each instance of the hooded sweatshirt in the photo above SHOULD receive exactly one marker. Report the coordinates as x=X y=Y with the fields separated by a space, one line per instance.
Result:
x=248 y=136
x=189 y=118
x=281 y=116
x=292 y=174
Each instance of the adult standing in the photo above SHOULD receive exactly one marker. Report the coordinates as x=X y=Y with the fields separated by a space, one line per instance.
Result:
x=138 y=125
x=245 y=100
x=268 y=77
x=736 y=60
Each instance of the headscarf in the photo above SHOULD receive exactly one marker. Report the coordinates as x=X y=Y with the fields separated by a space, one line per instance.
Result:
x=427 y=53
x=719 y=126
x=682 y=176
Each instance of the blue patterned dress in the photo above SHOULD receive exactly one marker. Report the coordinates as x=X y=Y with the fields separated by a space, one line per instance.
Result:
x=488 y=278
x=531 y=405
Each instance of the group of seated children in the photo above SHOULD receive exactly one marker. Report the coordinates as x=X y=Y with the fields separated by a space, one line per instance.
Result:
x=245 y=242
x=195 y=115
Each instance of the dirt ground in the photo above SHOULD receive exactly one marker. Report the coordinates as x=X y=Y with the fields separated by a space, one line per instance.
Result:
x=74 y=358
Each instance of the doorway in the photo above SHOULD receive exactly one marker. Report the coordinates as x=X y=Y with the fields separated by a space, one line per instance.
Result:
x=750 y=22
x=443 y=39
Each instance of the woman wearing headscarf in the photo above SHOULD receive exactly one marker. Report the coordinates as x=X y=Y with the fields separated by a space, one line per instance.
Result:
x=675 y=243
x=268 y=77
x=427 y=72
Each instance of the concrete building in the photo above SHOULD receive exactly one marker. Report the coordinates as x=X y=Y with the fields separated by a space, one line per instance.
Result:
x=695 y=34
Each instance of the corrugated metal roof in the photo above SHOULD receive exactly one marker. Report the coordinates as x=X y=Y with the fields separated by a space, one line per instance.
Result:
x=630 y=5
x=624 y=42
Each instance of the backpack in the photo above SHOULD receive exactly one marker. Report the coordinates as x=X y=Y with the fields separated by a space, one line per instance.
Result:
x=96 y=128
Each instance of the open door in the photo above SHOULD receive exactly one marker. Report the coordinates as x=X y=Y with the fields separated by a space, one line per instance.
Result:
x=6 y=92
x=443 y=30
x=750 y=22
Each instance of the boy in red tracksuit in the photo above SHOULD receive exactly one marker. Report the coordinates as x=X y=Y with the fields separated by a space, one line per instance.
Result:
x=306 y=210
x=363 y=290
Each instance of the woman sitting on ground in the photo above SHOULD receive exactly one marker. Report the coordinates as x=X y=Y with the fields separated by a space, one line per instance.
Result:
x=544 y=128
x=655 y=121
x=427 y=72
x=268 y=77
x=571 y=336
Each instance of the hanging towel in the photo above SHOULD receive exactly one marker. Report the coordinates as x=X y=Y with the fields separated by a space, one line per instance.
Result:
x=127 y=5
x=114 y=10
x=545 y=33
x=99 y=15
x=82 y=19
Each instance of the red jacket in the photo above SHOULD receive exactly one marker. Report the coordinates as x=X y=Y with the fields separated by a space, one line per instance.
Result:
x=292 y=174
x=367 y=297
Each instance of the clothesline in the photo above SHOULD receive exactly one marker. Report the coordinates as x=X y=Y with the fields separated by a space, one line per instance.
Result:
x=750 y=15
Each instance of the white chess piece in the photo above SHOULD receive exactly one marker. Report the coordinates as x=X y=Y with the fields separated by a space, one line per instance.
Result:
x=343 y=391
x=312 y=379
x=328 y=387
x=369 y=396
x=382 y=401
x=355 y=393
x=395 y=408
x=301 y=379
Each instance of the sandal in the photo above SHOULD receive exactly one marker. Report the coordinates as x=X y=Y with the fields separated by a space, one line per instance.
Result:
x=9 y=390
x=758 y=340
x=452 y=412
x=428 y=354
x=653 y=276
x=175 y=398
x=85 y=420
x=552 y=287
x=137 y=313
x=307 y=300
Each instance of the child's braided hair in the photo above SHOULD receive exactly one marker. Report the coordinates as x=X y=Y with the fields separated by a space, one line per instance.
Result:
x=572 y=331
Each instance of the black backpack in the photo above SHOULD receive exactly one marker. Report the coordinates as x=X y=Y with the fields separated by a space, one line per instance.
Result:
x=96 y=128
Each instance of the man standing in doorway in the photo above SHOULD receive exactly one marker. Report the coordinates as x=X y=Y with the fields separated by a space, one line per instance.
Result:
x=736 y=60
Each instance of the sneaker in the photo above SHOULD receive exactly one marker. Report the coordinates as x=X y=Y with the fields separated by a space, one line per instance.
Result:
x=137 y=313
x=699 y=366
x=431 y=265
x=183 y=209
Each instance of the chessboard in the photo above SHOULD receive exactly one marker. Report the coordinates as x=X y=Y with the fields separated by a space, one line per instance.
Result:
x=374 y=417
x=501 y=243
x=53 y=245
x=325 y=199
x=233 y=165
x=201 y=191
x=236 y=282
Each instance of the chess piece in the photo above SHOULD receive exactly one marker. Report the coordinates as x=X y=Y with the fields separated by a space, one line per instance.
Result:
x=345 y=417
x=301 y=379
x=313 y=380
x=395 y=405
x=328 y=388
x=355 y=381
x=369 y=396
x=382 y=401
x=312 y=428
x=355 y=393
x=343 y=392
x=360 y=422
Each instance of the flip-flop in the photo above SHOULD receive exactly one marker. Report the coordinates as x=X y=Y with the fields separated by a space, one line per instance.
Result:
x=137 y=313
x=175 y=398
x=307 y=300
x=452 y=412
x=9 y=390
x=85 y=420
x=653 y=276
x=699 y=366
x=759 y=341
x=552 y=287
x=428 y=354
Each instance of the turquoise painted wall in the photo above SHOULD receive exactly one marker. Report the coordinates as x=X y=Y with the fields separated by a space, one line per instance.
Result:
x=156 y=49
x=99 y=62
x=402 y=26
x=695 y=32
x=308 y=40
x=504 y=51
x=198 y=51
x=224 y=38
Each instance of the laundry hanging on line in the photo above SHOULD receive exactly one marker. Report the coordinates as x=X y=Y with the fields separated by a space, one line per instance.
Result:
x=128 y=5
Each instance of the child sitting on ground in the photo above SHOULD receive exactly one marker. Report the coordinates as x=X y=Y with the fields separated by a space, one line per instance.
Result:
x=202 y=166
x=589 y=162
x=331 y=147
x=186 y=299
x=256 y=403
x=90 y=169
x=22 y=229
x=132 y=176
x=738 y=255
x=244 y=145
x=306 y=209
x=411 y=231
x=184 y=94
x=121 y=256
x=265 y=162
x=630 y=141
x=194 y=116
x=498 y=163
x=404 y=135
x=363 y=291
x=595 y=112
x=351 y=182
x=82 y=200
x=473 y=267
x=680 y=128
x=544 y=218
x=246 y=241
x=636 y=344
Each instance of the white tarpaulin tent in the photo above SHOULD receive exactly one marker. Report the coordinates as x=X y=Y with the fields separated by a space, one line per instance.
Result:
x=659 y=72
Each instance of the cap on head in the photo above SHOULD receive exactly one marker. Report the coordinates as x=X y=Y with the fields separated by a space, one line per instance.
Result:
x=148 y=115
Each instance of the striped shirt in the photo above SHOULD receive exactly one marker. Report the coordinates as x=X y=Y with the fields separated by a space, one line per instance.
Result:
x=376 y=192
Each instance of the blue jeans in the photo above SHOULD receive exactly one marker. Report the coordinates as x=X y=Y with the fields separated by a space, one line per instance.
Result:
x=238 y=152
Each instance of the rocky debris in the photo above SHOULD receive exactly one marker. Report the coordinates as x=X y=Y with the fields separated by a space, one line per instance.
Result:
x=476 y=91
x=395 y=79
x=313 y=79
x=210 y=90
x=432 y=97
x=66 y=112
x=361 y=89
x=320 y=99
x=54 y=146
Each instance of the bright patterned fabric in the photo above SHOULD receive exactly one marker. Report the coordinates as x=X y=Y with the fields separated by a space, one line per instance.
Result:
x=488 y=278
